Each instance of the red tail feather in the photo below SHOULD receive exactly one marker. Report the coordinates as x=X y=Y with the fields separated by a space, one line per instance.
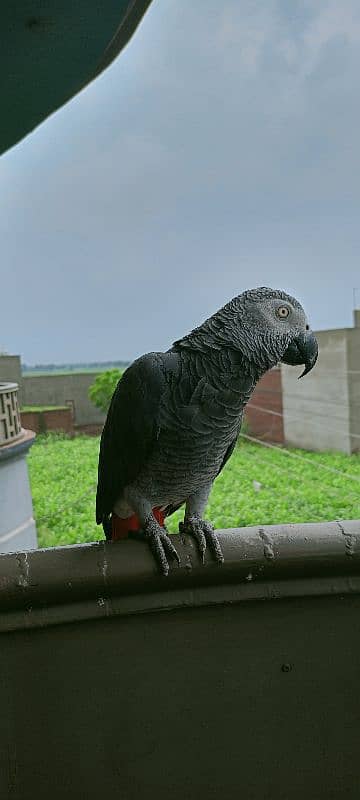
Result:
x=122 y=527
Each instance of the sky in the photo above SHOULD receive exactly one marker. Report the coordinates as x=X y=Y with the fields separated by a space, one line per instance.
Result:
x=219 y=152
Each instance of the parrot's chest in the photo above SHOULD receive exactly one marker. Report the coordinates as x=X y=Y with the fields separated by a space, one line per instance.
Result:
x=183 y=462
x=193 y=440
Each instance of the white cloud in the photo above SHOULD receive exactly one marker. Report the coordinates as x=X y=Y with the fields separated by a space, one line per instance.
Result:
x=333 y=23
x=248 y=29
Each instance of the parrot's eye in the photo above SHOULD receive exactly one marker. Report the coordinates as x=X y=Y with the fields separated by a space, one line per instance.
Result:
x=283 y=312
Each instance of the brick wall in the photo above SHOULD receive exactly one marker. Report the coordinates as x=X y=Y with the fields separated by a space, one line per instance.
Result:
x=52 y=420
x=267 y=395
x=89 y=430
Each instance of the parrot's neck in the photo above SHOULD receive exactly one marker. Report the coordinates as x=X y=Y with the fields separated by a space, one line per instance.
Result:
x=233 y=363
x=225 y=369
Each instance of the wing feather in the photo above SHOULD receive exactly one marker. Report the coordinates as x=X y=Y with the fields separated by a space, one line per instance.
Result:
x=131 y=429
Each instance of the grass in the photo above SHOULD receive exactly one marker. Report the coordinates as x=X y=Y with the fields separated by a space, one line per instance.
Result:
x=63 y=475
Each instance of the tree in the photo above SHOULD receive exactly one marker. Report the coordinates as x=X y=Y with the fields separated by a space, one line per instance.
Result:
x=101 y=391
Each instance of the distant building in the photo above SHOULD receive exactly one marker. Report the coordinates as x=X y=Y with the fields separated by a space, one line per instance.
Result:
x=322 y=411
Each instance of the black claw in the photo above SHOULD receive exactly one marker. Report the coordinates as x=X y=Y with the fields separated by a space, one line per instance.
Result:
x=160 y=544
x=213 y=543
x=204 y=534
x=201 y=540
x=159 y=553
x=216 y=549
x=169 y=547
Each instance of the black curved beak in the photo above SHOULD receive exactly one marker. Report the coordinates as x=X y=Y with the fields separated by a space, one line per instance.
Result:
x=302 y=350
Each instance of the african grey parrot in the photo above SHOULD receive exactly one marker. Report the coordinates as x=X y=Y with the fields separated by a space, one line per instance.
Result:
x=175 y=417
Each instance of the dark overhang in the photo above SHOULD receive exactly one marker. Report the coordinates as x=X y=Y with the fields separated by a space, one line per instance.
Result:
x=50 y=50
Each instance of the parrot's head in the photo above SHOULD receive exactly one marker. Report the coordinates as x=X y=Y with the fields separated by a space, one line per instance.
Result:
x=264 y=326
x=278 y=326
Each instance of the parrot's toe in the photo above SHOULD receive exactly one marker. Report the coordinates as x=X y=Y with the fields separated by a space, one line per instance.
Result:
x=168 y=545
x=160 y=543
x=205 y=535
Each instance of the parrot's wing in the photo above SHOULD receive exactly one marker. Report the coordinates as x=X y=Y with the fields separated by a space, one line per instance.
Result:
x=131 y=429
x=231 y=447
x=228 y=453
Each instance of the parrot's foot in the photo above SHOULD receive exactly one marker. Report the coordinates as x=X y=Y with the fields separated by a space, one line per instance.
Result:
x=204 y=534
x=160 y=543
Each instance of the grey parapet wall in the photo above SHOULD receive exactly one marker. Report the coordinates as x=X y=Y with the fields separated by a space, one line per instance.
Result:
x=105 y=579
x=17 y=526
x=323 y=412
x=71 y=389
x=238 y=680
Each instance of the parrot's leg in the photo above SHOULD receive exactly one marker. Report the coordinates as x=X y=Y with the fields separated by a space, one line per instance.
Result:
x=151 y=531
x=199 y=528
x=160 y=543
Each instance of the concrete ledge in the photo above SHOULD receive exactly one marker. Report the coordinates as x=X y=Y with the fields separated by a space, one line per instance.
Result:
x=46 y=587
x=18 y=447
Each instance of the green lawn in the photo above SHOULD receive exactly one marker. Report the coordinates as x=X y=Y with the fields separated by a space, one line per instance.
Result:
x=63 y=476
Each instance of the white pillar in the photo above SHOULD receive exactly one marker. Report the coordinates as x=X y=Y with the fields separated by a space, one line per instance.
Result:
x=17 y=525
